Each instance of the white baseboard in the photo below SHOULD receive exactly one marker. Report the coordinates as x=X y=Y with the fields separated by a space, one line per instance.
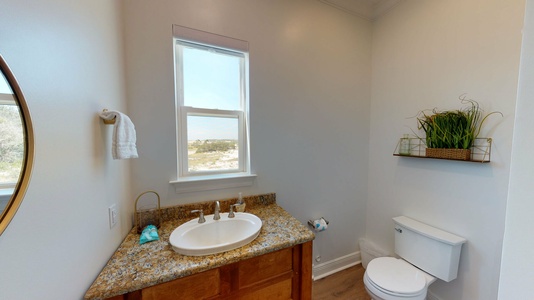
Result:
x=336 y=265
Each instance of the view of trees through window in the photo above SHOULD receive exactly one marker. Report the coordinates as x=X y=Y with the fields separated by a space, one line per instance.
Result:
x=11 y=144
x=212 y=144
x=205 y=155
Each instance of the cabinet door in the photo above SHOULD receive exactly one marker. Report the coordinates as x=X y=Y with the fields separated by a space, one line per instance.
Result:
x=265 y=267
x=198 y=286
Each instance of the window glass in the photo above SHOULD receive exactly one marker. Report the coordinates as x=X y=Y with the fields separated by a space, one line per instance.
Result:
x=211 y=79
x=212 y=143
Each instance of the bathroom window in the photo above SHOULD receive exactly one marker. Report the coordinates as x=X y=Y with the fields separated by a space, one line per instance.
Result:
x=211 y=105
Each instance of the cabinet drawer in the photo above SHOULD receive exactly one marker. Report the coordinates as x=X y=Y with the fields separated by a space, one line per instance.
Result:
x=264 y=267
x=198 y=286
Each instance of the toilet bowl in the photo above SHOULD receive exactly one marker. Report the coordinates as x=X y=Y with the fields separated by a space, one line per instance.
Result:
x=388 y=278
x=420 y=247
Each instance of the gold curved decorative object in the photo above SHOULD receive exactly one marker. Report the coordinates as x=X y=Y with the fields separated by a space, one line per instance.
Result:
x=24 y=178
x=146 y=217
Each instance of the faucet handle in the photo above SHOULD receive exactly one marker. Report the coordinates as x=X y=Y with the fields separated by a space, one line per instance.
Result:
x=231 y=213
x=201 y=218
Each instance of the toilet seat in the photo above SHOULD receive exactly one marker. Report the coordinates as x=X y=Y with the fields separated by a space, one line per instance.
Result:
x=381 y=293
x=396 y=277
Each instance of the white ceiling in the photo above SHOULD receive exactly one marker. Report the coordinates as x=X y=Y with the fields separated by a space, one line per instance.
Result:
x=367 y=9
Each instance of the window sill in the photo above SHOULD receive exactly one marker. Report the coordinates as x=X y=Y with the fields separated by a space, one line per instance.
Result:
x=212 y=182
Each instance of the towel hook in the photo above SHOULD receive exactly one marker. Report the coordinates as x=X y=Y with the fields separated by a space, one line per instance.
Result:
x=109 y=122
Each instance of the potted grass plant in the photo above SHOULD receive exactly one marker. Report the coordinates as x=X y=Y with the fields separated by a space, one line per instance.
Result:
x=450 y=134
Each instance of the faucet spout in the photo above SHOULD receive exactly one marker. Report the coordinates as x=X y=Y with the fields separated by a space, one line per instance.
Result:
x=216 y=211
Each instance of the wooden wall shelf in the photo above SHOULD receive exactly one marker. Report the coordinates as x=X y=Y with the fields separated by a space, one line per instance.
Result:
x=480 y=152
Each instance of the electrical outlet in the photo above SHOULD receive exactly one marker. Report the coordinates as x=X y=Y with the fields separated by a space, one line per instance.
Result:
x=113 y=216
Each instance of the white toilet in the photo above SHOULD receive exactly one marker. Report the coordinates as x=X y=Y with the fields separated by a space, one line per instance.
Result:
x=427 y=253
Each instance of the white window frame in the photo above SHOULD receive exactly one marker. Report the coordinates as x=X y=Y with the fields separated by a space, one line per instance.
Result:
x=187 y=181
x=187 y=111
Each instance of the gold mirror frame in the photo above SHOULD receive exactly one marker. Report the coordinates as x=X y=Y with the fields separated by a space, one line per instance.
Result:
x=24 y=178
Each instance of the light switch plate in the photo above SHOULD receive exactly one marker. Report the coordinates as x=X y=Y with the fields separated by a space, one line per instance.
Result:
x=113 y=216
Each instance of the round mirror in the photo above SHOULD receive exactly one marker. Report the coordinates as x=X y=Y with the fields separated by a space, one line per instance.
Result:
x=16 y=145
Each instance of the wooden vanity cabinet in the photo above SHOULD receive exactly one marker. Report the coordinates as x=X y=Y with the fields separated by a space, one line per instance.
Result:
x=284 y=274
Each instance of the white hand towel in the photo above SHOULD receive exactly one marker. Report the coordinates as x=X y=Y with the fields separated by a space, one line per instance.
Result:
x=124 y=138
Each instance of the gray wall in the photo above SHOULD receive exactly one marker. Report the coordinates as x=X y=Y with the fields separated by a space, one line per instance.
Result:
x=67 y=56
x=517 y=268
x=309 y=98
x=425 y=55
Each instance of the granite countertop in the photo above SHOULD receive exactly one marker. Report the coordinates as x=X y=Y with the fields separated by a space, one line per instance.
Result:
x=133 y=267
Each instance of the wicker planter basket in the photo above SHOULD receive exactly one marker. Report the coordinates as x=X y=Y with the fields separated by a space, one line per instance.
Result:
x=457 y=154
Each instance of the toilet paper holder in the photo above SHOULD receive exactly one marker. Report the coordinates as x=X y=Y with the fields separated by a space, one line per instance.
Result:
x=310 y=222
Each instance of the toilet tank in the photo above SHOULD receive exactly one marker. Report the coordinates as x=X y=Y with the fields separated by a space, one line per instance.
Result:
x=432 y=250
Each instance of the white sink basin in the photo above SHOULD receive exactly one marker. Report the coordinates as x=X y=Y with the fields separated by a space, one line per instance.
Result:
x=197 y=239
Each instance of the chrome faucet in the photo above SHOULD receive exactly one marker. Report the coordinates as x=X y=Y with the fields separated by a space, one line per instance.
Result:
x=216 y=215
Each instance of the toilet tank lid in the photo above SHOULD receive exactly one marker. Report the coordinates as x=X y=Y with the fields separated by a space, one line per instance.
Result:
x=429 y=231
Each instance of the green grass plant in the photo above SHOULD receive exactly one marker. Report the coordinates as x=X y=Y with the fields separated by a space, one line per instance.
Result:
x=216 y=146
x=453 y=129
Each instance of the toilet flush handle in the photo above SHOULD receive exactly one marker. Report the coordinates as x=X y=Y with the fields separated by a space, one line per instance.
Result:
x=398 y=230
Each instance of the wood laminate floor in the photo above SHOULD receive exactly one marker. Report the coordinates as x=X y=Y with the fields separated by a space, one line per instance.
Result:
x=346 y=284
